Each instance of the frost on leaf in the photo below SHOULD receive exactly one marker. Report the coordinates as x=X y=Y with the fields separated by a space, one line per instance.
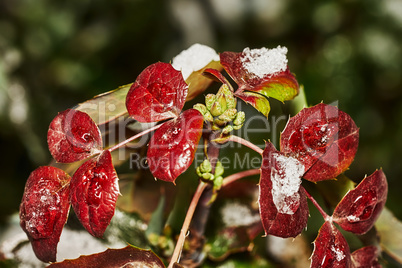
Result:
x=94 y=191
x=124 y=257
x=323 y=138
x=330 y=248
x=158 y=93
x=360 y=207
x=73 y=136
x=44 y=210
x=172 y=148
x=193 y=59
x=282 y=201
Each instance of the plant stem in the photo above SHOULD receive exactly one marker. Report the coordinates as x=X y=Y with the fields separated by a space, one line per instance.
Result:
x=315 y=203
x=246 y=143
x=186 y=224
x=133 y=138
x=234 y=177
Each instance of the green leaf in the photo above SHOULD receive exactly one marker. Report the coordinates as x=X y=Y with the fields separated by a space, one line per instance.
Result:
x=256 y=100
x=389 y=229
x=106 y=107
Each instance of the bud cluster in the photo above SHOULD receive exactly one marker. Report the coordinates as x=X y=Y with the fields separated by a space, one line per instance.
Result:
x=220 y=110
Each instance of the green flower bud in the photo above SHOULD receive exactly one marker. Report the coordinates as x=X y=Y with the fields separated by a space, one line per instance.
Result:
x=216 y=109
x=237 y=127
x=215 y=127
x=228 y=115
x=201 y=108
x=218 y=169
x=198 y=171
x=208 y=116
x=230 y=101
x=227 y=129
x=221 y=99
x=209 y=101
x=206 y=166
x=218 y=183
x=224 y=89
x=239 y=119
x=208 y=176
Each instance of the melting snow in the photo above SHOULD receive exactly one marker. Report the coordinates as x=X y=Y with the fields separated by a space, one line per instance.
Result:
x=193 y=59
x=286 y=183
x=262 y=62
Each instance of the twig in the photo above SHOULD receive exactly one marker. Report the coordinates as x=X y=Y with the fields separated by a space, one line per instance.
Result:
x=234 y=177
x=315 y=203
x=246 y=143
x=183 y=232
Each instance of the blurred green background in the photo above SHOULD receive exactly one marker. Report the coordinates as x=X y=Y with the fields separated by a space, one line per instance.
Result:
x=55 y=54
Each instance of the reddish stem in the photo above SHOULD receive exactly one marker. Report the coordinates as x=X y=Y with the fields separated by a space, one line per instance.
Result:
x=234 y=177
x=315 y=203
x=184 y=229
x=134 y=137
x=246 y=143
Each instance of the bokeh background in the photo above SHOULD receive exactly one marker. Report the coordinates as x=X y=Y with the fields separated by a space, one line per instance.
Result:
x=55 y=54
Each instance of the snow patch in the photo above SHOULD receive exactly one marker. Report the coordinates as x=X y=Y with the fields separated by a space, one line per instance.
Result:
x=236 y=214
x=264 y=62
x=339 y=255
x=286 y=180
x=193 y=59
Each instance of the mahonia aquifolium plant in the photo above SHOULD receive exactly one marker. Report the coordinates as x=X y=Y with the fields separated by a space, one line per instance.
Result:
x=317 y=144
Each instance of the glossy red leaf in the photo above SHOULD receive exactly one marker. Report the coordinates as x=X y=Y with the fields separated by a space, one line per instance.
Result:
x=323 y=138
x=360 y=207
x=366 y=257
x=282 y=201
x=114 y=258
x=172 y=147
x=262 y=71
x=331 y=249
x=94 y=191
x=259 y=102
x=73 y=136
x=217 y=76
x=44 y=210
x=158 y=93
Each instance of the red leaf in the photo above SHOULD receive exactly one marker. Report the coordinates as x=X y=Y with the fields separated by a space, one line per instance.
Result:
x=360 y=207
x=330 y=248
x=263 y=71
x=94 y=191
x=323 y=138
x=172 y=147
x=158 y=93
x=73 y=136
x=114 y=258
x=283 y=203
x=366 y=257
x=217 y=76
x=44 y=209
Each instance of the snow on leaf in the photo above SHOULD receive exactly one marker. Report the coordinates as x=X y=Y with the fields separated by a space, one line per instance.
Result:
x=262 y=62
x=282 y=201
x=73 y=136
x=172 y=148
x=94 y=191
x=323 y=138
x=124 y=257
x=193 y=59
x=44 y=210
x=360 y=207
x=158 y=93
x=331 y=248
